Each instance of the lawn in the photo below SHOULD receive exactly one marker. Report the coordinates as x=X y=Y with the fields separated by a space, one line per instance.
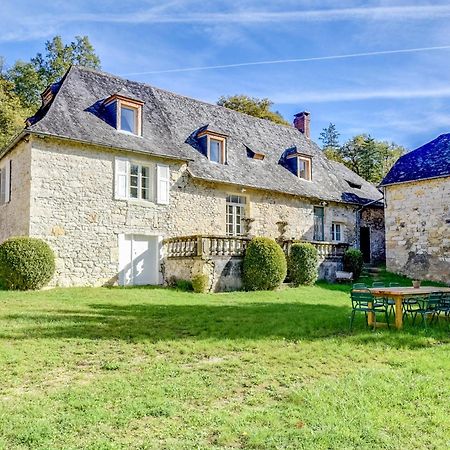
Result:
x=156 y=368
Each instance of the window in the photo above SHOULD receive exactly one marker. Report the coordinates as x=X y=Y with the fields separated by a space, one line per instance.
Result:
x=124 y=113
x=336 y=232
x=318 y=223
x=216 y=150
x=128 y=118
x=5 y=183
x=304 y=168
x=235 y=215
x=141 y=181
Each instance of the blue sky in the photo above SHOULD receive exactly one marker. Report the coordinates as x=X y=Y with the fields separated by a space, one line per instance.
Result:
x=402 y=97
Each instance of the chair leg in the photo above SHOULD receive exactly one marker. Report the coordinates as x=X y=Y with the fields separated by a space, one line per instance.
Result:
x=387 y=317
x=351 y=320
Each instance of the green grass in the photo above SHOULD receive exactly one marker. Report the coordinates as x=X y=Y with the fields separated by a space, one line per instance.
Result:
x=155 y=368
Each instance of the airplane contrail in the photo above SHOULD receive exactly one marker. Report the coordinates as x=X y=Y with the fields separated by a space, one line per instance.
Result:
x=293 y=60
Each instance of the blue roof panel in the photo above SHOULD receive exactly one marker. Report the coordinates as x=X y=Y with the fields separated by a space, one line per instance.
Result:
x=429 y=161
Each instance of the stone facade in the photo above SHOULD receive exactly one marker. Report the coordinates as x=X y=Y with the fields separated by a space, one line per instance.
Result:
x=63 y=192
x=418 y=229
x=373 y=218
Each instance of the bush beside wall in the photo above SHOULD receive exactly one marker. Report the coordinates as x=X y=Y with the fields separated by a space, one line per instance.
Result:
x=303 y=264
x=26 y=263
x=264 y=266
x=353 y=262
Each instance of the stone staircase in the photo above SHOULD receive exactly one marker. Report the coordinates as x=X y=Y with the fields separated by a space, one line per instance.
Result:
x=370 y=271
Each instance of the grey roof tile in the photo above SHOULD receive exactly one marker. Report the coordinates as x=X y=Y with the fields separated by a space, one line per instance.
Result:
x=170 y=124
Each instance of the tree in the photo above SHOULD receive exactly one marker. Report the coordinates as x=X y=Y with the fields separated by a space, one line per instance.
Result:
x=329 y=137
x=253 y=107
x=369 y=158
x=31 y=78
x=12 y=112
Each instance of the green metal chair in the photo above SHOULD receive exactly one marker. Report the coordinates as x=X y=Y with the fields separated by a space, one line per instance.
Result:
x=359 y=286
x=364 y=301
x=378 y=284
x=444 y=305
x=427 y=307
x=392 y=284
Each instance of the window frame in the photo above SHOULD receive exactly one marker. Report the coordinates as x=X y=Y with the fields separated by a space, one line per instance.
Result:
x=137 y=109
x=322 y=231
x=222 y=148
x=234 y=207
x=335 y=232
x=308 y=167
x=151 y=180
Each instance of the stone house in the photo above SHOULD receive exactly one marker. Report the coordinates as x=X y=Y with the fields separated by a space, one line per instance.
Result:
x=417 y=208
x=131 y=184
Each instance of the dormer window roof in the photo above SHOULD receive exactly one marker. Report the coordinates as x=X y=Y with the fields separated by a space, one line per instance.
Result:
x=300 y=164
x=124 y=113
x=213 y=145
x=353 y=184
x=254 y=154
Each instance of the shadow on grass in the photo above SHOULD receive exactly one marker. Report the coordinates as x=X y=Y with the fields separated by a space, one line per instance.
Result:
x=262 y=320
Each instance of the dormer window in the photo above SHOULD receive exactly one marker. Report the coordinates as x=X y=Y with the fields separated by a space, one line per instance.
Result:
x=213 y=145
x=304 y=168
x=124 y=113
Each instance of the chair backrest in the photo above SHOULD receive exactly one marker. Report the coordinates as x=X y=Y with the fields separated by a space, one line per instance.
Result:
x=378 y=284
x=445 y=299
x=431 y=301
x=394 y=284
x=359 y=286
x=361 y=298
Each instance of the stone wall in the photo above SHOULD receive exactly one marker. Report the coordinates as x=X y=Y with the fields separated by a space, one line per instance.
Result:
x=15 y=215
x=418 y=229
x=73 y=208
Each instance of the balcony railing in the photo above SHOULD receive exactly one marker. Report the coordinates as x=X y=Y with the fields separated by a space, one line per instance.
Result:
x=325 y=250
x=204 y=246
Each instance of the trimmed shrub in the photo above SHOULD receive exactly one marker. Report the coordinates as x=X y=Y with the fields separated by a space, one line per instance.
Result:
x=200 y=283
x=302 y=264
x=353 y=262
x=26 y=263
x=264 y=266
x=183 y=285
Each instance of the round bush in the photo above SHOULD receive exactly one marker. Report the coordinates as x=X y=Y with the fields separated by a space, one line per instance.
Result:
x=200 y=283
x=264 y=266
x=303 y=264
x=353 y=262
x=26 y=263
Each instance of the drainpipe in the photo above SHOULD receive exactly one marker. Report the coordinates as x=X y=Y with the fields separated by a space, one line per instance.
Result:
x=358 y=220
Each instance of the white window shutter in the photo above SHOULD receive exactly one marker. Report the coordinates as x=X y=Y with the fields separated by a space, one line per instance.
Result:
x=122 y=171
x=162 y=184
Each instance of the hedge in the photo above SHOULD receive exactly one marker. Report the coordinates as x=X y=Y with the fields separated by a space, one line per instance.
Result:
x=264 y=266
x=26 y=263
x=200 y=283
x=353 y=262
x=302 y=264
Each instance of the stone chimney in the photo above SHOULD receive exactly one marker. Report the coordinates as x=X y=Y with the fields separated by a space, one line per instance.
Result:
x=302 y=122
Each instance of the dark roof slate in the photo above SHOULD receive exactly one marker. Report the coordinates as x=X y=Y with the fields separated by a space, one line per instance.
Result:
x=170 y=125
x=432 y=160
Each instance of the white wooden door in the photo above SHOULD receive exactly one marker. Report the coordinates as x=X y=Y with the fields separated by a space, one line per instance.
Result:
x=138 y=260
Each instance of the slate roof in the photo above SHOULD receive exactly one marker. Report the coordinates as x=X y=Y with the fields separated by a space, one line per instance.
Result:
x=432 y=160
x=170 y=125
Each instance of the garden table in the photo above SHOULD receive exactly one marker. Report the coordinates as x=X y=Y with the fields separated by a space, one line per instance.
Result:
x=398 y=294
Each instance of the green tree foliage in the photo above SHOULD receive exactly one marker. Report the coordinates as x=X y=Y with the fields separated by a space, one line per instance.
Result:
x=369 y=158
x=12 y=113
x=31 y=78
x=264 y=266
x=26 y=263
x=329 y=137
x=253 y=107
x=303 y=264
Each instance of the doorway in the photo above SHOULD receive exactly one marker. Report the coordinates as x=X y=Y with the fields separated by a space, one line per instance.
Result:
x=364 y=243
x=138 y=260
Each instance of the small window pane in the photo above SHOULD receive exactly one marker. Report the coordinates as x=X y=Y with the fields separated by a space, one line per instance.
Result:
x=127 y=119
x=214 y=150
x=134 y=192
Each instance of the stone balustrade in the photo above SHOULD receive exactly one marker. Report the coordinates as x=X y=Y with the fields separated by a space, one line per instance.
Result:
x=205 y=246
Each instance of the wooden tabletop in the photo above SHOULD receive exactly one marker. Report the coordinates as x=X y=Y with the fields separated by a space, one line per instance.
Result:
x=408 y=290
